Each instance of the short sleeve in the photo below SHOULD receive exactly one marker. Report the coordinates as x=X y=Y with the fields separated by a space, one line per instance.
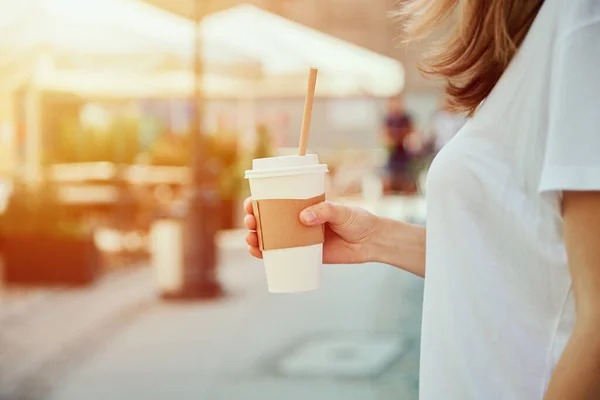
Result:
x=572 y=156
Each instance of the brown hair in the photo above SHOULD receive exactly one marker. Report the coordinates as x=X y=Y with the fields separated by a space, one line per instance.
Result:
x=473 y=57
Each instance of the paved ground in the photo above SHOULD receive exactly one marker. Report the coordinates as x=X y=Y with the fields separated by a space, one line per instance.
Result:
x=46 y=333
x=356 y=338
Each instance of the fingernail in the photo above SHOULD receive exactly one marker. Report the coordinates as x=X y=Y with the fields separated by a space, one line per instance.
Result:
x=308 y=216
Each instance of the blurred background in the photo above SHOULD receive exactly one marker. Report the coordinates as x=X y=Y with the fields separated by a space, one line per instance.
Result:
x=125 y=130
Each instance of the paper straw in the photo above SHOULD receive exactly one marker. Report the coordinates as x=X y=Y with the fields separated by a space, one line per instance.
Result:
x=308 y=106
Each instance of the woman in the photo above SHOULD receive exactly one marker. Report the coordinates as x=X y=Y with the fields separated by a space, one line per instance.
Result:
x=510 y=254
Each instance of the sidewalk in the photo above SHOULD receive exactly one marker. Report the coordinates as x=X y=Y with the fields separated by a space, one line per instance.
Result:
x=232 y=349
x=45 y=332
x=356 y=338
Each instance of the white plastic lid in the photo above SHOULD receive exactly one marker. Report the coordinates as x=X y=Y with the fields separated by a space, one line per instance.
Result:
x=285 y=166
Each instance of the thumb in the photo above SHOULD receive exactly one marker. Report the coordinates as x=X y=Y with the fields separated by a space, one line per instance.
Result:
x=321 y=213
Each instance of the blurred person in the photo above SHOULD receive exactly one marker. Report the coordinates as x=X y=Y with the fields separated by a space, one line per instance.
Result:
x=445 y=124
x=398 y=127
x=510 y=254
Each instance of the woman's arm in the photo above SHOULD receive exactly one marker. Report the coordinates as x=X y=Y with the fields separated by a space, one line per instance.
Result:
x=399 y=244
x=577 y=375
x=353 y=235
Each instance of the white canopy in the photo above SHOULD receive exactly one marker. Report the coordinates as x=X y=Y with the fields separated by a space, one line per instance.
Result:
x=129 y=48
x=287 y=49
x=106 y=47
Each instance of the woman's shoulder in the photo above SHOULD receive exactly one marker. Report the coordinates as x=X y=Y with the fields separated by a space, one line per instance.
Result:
x=577 y=15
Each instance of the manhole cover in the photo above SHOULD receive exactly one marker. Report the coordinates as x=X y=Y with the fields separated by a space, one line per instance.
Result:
x=342 y=357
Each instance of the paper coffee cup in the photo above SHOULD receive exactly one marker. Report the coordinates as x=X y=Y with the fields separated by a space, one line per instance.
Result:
x=281 y=187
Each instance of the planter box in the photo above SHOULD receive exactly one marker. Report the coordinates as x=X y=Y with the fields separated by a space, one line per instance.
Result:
x=50 y=261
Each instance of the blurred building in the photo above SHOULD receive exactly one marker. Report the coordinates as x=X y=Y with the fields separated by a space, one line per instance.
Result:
x=365 y=23
x=362 y=22
x=368 y=24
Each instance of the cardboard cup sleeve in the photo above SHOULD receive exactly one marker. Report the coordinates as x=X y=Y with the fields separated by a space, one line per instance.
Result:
x=279 y=226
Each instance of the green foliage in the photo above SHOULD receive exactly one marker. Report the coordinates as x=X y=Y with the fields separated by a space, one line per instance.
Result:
x=35 y=210
x=264 y=143
x=171 y=150
x=117 y=143
x=123 y=136
x=219 y=149
x=225 y=151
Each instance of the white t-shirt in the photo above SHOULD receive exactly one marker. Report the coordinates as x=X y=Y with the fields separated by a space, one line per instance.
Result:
x=445 y=126
x=498 y=306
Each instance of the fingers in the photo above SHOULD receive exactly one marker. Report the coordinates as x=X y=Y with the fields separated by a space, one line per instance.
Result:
x=321 y=213
x=252 y=239
x=252 y=236
x=250 y=222
x=255 y=252
x=248 y=206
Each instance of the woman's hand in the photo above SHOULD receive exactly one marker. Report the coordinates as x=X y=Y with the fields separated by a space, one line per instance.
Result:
x=348 y=231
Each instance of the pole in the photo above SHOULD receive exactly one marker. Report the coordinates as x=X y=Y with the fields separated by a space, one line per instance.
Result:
x=33 y=136
x=198 y=74
x=200 y=278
